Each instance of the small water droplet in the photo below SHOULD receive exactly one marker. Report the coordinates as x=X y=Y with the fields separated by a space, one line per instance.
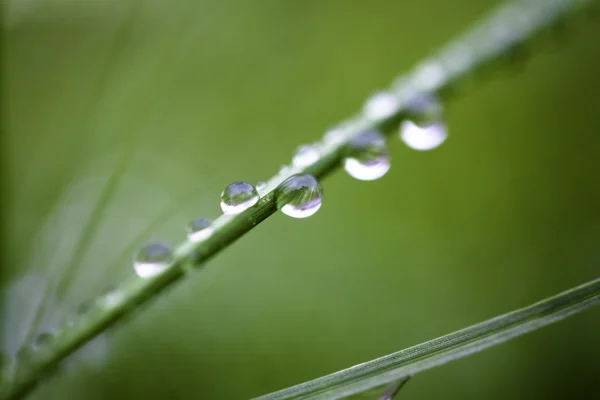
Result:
x=424 y=129
x=152 y=259
x=368 y=157
x=110 y=297
x=43 y=340
x=305 y=155
x=260 y=187
x=299 y=196
x=334 y=136
x=199 y=229
x=381 y=105
x=238 y=197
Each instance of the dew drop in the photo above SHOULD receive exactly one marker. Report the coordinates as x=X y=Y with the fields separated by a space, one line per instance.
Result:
x=305 y=155
x=299 y=196
x=199 y=229
x=110 y=297
x=334 y=136
x=284 y=170
x=424 y=137
x=260 y=187
x=43 y=340
x=152 y=259
x=238 y=197
x=381 y=105
x=424 y=129
x=368 y=157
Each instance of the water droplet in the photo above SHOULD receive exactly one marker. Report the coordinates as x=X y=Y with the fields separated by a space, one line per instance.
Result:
x=368 y=158
x=261 y=186
x=299 y=196
x=199 y=229
x=334 y=136
x=305 y=155
x=381 y=105
x=237 y=197
x=284 y=170
x=424 y=129
x=426 y=137
x=110 y=297
x=152 y=259
x=43 y=340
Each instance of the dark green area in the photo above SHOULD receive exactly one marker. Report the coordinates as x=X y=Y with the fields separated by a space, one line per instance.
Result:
x=123 y=120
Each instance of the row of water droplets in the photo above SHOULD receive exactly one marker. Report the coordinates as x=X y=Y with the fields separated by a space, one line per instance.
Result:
x=299 y=196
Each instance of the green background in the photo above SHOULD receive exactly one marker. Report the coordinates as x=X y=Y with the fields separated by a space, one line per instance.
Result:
x=167 y=102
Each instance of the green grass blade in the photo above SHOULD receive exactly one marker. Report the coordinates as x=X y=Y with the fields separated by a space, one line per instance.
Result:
x=446 y=348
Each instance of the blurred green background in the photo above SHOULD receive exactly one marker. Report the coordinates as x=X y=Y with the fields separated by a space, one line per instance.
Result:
x=153 y=107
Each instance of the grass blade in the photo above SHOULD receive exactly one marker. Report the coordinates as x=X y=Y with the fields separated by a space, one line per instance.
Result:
x=446 y=348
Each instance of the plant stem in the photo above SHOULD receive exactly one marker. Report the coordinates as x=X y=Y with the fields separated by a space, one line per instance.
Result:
x=446 y=348
x=487 y=44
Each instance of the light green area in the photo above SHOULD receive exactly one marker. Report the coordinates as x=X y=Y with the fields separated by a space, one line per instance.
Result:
x=168 y=102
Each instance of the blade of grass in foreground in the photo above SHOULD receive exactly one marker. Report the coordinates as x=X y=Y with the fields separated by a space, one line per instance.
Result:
x=446 y=348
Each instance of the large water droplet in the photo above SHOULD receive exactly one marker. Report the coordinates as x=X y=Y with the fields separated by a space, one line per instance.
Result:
x=152 y=259
x=367 y=158
x=238 y=197
x=305 y=155
x=381 y=105
x=199 y=229
x=426 y=137
x=299 y=196
x=424 y=129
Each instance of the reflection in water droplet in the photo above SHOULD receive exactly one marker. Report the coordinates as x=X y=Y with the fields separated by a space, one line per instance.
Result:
x=299 y=196
x=381 y=105
x=152 y=259
x=424 y=129
x=305 y=155
x=199 y=229
x=368 y=157
x=238 y=197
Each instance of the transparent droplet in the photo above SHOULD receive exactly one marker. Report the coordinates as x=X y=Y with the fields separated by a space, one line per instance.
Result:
x=43 y=340
x=299 y=196
x=260 y=187
x=199 y=229
x=367 y=156
x=110 y=297
x=334 y=136
x=284 y=170
x=305 y=155
x=424 y=129
x=238 y=197
x=425 y=137
x=152 y=259
x=381 y=105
